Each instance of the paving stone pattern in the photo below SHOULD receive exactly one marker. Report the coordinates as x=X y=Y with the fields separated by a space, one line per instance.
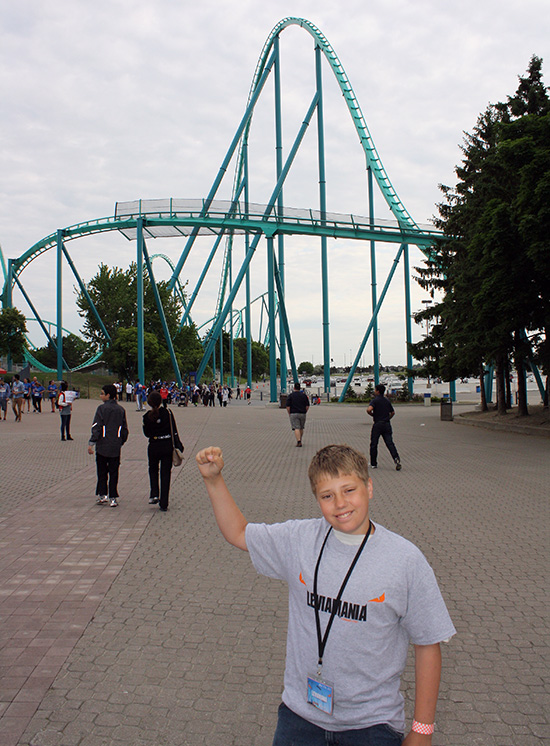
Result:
x=132 y=627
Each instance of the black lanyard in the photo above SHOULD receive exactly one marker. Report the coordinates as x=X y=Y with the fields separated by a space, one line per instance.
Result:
x=322 y=639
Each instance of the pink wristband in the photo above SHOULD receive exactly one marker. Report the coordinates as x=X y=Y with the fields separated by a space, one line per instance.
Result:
x=423 y=728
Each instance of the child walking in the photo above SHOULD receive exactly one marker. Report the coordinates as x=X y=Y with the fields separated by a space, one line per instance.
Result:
x=358 y=595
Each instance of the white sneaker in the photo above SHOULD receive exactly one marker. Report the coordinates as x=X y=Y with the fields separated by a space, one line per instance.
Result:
x=113 y=503
x=102 y=500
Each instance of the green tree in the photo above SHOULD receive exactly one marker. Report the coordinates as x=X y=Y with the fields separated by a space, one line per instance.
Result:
x=75 y=352
x=493 y=271
x=13 y=328
x=121 y=355
x=260 y=358
x=188 y=348
x=306 y=367
x=114 y=294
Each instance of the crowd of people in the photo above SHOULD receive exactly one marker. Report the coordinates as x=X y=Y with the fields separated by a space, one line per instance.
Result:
x=182 y=396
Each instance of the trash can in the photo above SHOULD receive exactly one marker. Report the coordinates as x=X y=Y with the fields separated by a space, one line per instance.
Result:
x=427 y=400
x=446 y=410
x=282 y=401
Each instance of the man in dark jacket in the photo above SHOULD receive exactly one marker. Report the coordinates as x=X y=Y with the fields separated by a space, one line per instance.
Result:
x=109 y=433
x=297 y=405
x=381 y=410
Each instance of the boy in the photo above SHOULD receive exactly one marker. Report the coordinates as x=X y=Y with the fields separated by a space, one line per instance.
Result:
x=358 y=594
x=109 y=433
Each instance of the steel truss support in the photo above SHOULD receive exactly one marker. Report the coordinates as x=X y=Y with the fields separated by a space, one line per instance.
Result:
x=256 y=238
x=59 y=290
x=372 y=322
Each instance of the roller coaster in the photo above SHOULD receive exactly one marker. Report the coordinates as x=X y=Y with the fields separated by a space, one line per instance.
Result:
x=225 y=220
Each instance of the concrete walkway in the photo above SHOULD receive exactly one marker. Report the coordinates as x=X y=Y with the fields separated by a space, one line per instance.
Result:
x=132 y=627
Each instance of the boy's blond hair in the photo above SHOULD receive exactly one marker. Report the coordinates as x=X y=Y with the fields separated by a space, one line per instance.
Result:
x=335 y=460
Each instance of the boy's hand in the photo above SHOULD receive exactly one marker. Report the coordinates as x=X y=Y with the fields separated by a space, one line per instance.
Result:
x=91 y=450
x=210 y=462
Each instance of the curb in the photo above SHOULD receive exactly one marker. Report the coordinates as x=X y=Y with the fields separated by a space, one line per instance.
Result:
x=505 y=427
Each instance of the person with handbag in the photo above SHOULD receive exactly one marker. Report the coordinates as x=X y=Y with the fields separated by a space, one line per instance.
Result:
x=160 y=427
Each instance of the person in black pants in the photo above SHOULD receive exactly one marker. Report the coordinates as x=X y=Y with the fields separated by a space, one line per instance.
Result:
x=158 y=424
x=109 y=433
x=381 y=410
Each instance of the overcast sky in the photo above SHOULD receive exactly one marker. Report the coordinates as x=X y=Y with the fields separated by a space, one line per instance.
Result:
x=115 y=100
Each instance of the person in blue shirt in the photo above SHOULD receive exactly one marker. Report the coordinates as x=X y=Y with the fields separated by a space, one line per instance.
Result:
x=17 y=396
x=26 y=396
x=5 y=393
x=36 y=391
x=52 y=394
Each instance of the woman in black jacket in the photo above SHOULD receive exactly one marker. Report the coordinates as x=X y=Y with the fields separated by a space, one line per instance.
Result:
x=156 y=427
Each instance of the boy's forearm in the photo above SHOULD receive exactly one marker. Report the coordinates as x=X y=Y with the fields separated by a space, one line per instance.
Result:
x=229 y=518
x=427 y=678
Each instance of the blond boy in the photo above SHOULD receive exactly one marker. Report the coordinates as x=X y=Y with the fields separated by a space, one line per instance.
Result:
x=358 y=595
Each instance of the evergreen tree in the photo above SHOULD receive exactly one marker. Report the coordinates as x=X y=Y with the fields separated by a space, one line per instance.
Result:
x=493 y=269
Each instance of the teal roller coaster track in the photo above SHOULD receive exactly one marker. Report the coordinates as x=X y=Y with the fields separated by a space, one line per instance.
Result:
x=142 y=220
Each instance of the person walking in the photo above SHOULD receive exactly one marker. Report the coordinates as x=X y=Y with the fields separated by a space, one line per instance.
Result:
x=52 y=394
x=37 y=391
x=297 y=405
x=159 y=425
x=17 y=396
x=64 y=402
x=381 y=410
x=109 y=433
x=5 y=393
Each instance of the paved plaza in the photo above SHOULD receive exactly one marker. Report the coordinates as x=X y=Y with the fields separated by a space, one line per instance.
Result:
x=132 y=627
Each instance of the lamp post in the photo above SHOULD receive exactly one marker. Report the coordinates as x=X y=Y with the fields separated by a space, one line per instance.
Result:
x=426 y=304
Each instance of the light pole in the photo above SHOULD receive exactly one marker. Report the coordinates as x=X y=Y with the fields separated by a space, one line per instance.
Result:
x=426 y=304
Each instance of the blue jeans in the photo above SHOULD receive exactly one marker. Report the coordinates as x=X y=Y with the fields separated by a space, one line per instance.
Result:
x=292 y=730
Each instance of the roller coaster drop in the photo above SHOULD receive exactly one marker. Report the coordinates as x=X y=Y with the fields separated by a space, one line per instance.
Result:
x=141 y=220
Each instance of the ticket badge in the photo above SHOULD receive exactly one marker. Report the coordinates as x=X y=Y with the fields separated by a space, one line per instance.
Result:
x=320 y=694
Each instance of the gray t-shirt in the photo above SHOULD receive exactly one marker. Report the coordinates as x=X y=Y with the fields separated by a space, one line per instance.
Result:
x=392 y=598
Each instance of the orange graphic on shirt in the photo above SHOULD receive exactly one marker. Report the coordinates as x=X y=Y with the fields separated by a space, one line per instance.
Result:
x=302 y=580
x=379 y=600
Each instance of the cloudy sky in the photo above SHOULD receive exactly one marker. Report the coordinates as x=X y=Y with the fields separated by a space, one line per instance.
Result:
x=115 y=100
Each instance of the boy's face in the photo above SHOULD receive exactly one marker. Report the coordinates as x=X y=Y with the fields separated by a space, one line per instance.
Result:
x=344 y=502
x=104 y=396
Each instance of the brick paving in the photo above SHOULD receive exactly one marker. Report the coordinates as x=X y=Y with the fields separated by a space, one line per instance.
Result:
x=133 y=627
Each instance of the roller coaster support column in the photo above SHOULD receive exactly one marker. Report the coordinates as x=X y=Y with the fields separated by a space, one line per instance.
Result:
x=8 y=299
x=140 y=335
x=372 y=323
x=162 y=316
x=231 y=350
x=284 y=320
x=86 y=294
x=376 y=354
x=250 y=253
x=408 y=321
x=59 y=305
x=323 y=210
x=247 y=319
x=223 y=168
x=37 y=317
x=221 y=355
x=271 y=307
x=280 y=237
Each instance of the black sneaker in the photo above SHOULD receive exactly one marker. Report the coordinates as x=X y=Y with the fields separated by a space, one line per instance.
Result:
x=153 y=500
x=398 y=464
x=373 y=466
